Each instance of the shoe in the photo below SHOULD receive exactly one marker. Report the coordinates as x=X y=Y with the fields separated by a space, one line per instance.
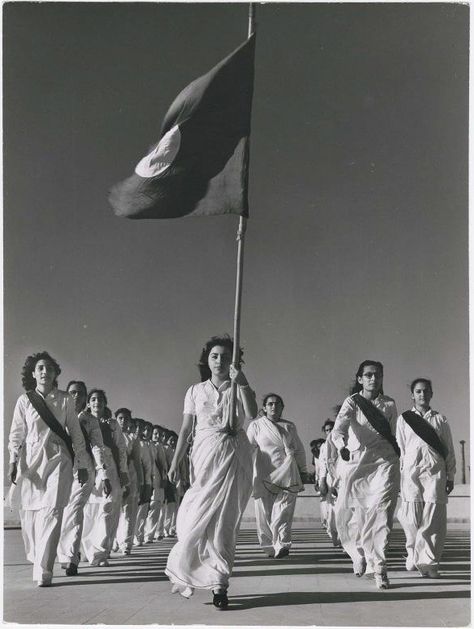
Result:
x=283 y=552
x=149 y=541
x=64 y=566
x=431 y=572
x=45 y=581
x=104 y=563
x=220 y=600
x=138 y=543
x=381 y=581
x=410 y=564
x=115 y=548
x=159 y=538
x=126 y=551
x=359 y=567
x=71 y=570
x=422 y=570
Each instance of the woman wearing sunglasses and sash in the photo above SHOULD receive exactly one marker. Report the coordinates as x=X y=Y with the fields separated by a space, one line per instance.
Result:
x=364 y=436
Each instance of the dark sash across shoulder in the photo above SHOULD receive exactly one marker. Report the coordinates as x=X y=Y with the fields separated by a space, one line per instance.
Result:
x=106 y=431
x=377 y=420
x=49 y=419
x=425 y=431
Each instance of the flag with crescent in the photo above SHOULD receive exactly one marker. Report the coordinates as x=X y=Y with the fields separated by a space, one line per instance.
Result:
x=199 y=166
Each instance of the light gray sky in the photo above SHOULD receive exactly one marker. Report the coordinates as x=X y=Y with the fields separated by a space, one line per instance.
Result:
x=357 y=243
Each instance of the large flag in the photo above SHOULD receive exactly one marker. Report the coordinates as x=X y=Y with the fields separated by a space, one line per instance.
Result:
x=200 y=164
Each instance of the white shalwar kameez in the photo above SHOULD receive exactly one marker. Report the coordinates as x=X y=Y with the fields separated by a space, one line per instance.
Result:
x=101 y=512
x=129 y=509
x=73 y=517
x=328 y=469
x=156 y=502
x=369 y=484
x=424 y=473
x=148 y=466
x=45 y=475
x=167 y=517
x=210 y=513
x=274 y=511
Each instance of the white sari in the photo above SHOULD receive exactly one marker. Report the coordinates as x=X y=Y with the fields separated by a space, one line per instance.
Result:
x=210 y=513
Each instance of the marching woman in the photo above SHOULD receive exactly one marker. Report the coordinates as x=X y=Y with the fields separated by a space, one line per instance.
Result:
x=428 y=466
x=210 y=513
x=73 y=518
x=129 y=507
x=101 y=511
x=45 y=442
x=364 y=435
x=279 y=472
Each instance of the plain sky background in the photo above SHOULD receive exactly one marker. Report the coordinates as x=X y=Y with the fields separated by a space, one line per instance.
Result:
x=357 y=243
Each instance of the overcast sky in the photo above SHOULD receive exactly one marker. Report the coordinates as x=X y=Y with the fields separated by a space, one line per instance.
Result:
x=357 y=243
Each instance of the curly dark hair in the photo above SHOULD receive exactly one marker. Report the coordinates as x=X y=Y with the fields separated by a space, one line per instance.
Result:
x=102 y=393
x=27 y=379
x=222 y=341
x=356 y=387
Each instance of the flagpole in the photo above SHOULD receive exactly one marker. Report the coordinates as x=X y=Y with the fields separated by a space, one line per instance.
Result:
x=240 y=269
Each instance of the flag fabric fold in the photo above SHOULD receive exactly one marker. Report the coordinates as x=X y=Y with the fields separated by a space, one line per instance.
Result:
x=199 y=167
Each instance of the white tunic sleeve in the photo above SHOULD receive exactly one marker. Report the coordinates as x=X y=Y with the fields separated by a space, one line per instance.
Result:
x=447 y=439
x=343 y=421
x=18 y=430
x=300 y=455
x=189 y=404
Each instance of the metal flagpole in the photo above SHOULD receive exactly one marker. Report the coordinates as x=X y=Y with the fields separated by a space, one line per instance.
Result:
x=240 y=267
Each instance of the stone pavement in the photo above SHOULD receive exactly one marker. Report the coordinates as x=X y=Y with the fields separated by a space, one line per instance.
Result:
x=313 y=586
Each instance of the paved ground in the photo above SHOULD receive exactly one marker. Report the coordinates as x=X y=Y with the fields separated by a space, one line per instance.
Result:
x=313 y=586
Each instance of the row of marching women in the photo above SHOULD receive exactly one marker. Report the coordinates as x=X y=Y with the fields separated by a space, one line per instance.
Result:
x=89 y=482
x=101 y=483
x=372 y=456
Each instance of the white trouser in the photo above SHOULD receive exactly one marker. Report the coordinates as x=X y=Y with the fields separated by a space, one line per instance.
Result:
x=348 y=524
x=151 y=529
x=274 y=515
x=41 y=530
x=73 y=521
x=425 y=525
x=364 y=532
x=331 y=527
x=100 y=525
x=324 y=511
x=167 y=519
x=127 y=521
x=141 y=521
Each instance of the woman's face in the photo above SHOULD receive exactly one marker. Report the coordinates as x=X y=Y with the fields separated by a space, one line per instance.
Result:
x=78 y=395
x=123 y=421
x=44 y=373
x=371 y=379
x=422 y=394
x=97 y=404
x=273 y=408
x=219 y=361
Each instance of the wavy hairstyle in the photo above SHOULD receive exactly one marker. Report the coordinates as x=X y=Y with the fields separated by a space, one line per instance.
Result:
x=222 y=341
x=27 y=379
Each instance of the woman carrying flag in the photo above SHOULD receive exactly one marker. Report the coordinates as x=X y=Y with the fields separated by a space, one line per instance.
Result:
x=209 y=516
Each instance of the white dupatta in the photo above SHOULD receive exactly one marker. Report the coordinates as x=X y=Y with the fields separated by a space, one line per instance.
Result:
x=286 y=477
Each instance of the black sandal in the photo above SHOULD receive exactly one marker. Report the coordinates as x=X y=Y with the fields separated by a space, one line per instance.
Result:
x=220 y=600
